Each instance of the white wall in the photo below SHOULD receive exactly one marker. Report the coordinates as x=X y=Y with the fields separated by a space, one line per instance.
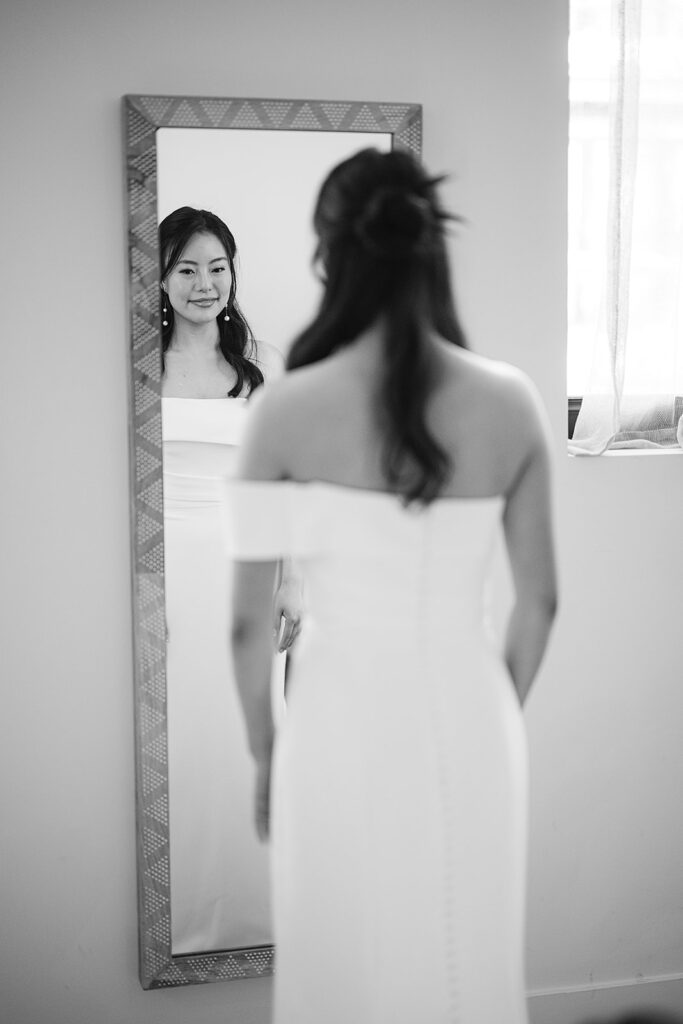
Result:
x=606 y=840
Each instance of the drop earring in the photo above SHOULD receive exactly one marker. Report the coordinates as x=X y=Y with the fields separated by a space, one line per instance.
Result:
x=164 y=322
x=227 y=315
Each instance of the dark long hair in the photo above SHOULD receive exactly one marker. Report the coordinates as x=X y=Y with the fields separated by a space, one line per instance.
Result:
x=236 y=340
x=380 y=231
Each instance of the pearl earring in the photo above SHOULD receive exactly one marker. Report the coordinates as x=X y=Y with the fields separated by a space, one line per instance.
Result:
x=164 y=322
x=227 y=315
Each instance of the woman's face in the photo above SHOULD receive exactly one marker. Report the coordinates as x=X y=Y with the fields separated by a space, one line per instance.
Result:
x=198 y=286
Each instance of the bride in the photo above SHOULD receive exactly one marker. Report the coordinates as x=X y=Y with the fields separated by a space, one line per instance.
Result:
x=219 y=875
x=395 y=790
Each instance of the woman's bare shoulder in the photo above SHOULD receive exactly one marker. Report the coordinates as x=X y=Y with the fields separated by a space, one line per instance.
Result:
x=282 y=416
x=269 y=359
x=494 y=403
x=482 y=370
x=500 y=385
x=293 y=396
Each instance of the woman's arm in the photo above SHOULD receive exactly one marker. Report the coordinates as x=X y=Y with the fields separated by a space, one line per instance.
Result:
x=252 y=647
x=288 y=604
x=529 y=540
x=252 y=626
x=259 y=460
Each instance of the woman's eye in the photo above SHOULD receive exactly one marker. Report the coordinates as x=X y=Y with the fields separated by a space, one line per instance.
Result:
x=186 y=271
x=219 y=270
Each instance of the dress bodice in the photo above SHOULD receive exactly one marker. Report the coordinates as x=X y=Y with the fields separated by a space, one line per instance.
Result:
x=201 y=438
x=369 y=558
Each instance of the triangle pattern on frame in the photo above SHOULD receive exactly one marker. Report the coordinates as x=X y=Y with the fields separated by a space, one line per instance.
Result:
x=247 y=117
x=394 y=114
x=305 y=118
x=276 y=111
x=139 y=128
x=366 y=120
x=216 y=111
x=156 y=107
x=336 y=113
x=185 y=116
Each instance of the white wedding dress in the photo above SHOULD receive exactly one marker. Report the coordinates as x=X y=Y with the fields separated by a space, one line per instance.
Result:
x=399 y=800
x=220 y=886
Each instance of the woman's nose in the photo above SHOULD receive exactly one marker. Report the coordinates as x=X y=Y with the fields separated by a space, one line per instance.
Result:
x=203 y=280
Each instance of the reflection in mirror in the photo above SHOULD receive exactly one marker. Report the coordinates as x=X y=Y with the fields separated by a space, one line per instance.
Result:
x=219 y=869
x=263 y=185
x=203 y=875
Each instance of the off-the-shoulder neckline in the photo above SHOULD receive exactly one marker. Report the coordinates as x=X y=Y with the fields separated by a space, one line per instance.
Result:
x=371 y=493
x=223 y=398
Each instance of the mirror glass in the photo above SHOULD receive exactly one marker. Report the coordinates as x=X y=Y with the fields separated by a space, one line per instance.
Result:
x=263 y=185
x=203 y=889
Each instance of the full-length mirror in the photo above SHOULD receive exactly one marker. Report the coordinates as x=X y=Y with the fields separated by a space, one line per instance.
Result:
x=257 y=165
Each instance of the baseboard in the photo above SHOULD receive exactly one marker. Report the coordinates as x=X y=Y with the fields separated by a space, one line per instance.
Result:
x=599 y=1003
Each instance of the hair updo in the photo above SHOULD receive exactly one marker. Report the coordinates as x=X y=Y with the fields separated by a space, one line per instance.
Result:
x=396 y=224
x=379 y=205
x=380 y=228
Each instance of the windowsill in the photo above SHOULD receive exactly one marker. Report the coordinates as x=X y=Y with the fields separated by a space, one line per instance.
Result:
x=641 y=451
x=574 y=407
x=628 y=452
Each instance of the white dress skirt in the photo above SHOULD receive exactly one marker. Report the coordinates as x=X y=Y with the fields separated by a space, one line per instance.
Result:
x=220 y=885
x=399 y=800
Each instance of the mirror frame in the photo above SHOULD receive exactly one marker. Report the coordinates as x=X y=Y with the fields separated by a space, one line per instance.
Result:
x=143 y=115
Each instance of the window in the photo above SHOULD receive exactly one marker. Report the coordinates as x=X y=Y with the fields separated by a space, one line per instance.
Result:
x=625 y=220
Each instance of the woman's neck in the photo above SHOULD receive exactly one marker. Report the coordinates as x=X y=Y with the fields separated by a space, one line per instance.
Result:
x=368 y=347
x=197 y=340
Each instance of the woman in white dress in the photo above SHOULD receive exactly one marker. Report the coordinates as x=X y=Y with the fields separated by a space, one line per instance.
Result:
x=395 y=791
x=219 y=873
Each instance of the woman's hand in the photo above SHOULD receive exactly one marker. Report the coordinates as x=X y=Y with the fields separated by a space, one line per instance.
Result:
x=262 y=800
x=288 y=609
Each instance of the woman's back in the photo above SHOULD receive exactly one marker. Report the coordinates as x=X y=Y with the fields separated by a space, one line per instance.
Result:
x=323 y=421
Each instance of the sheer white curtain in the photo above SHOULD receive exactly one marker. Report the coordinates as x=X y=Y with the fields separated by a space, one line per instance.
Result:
x=626 y=223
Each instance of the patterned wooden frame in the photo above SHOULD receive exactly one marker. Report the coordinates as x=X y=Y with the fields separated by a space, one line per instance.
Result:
x=143 y=115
